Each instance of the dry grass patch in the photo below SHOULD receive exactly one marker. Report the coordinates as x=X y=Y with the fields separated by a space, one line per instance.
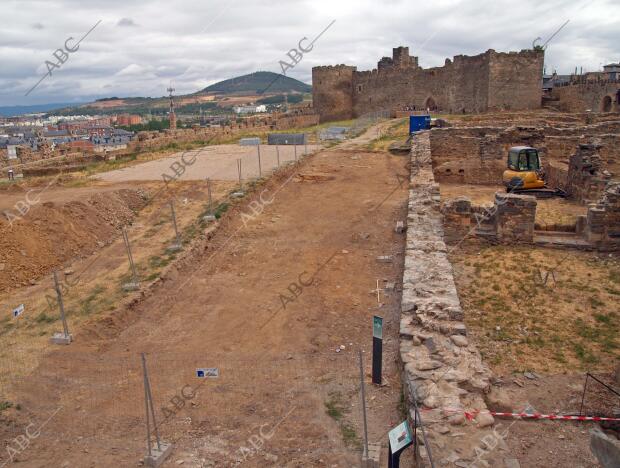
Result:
x=524 y=319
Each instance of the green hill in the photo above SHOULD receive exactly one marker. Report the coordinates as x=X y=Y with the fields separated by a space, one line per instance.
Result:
x=257 y=83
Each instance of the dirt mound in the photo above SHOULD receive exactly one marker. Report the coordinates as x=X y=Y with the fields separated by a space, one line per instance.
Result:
x=52 y=233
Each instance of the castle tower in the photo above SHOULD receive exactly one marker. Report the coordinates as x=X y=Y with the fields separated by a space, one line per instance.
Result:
x=172 y=116
x=332 y=92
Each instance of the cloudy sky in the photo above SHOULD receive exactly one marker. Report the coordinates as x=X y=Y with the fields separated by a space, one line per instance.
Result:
x=138 y=47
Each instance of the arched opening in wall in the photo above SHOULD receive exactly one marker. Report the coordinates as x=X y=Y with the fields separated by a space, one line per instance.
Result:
x=430 y=104
x=606 y=106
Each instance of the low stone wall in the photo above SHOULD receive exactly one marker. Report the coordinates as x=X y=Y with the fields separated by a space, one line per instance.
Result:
x=510 y=219
x=602 y=221
x=443 y=371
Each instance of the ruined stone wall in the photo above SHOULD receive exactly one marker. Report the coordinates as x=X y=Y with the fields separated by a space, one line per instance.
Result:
x=477 y=155
x=490 y=80
x=580 y=97
x=443 y=371
x=515 y=217
x=586 y=177
x=602 y=224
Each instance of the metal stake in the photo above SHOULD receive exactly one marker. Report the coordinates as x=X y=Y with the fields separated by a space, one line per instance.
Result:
x=239 y=170
x=210 y=197
x=278 y=154
x=149 y=403
x=260 y=172
x=130 y=257
x=61 y=306
x=174 y=222
x=295 y=152
x=364 y=405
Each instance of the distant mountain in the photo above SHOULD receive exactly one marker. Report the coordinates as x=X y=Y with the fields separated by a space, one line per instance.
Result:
x=258 y=83
x=9 y=111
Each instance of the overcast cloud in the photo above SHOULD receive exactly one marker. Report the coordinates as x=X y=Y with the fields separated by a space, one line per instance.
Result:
x=141 y=46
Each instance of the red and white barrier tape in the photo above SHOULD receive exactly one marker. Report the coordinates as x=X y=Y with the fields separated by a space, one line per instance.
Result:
x=555 y=417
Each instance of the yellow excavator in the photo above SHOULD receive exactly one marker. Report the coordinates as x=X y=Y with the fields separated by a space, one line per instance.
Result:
x=525 y=174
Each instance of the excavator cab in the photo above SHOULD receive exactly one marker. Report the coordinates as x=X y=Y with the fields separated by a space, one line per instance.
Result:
x=524 y=170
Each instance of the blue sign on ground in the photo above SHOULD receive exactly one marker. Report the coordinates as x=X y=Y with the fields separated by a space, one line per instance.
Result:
x=18 y=311
x=208 y=373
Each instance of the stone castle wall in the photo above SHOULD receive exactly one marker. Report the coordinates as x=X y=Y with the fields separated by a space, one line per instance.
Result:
x=477 y=155
x=479 y=83
x=588 y=95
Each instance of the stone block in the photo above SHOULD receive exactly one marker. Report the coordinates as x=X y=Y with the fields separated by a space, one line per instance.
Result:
x=605 y=448
x=61 y=339
x=158 y=456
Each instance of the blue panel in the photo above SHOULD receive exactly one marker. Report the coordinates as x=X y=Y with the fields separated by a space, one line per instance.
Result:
x=419 y=122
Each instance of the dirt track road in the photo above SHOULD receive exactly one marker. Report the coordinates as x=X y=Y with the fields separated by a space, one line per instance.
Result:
x=280 y=301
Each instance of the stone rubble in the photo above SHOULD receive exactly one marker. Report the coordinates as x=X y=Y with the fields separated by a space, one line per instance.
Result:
x=441 y=366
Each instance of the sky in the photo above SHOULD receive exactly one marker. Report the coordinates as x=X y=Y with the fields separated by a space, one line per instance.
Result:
x=139 y=47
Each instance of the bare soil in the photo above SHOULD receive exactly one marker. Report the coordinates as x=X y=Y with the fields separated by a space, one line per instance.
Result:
x=279 y=297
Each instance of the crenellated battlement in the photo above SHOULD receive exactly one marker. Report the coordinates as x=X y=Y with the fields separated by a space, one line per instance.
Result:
x=488 y=81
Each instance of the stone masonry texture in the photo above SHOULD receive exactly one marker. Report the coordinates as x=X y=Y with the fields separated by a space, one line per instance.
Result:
x=488 y=81
x=443 y=371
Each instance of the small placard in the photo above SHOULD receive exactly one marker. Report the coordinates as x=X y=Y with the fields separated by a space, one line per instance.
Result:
x=18 y=311
x=208 y=373
x=377 y=327
x=400 y=437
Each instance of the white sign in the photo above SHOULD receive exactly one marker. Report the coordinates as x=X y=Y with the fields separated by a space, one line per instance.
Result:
x=18 y=311
x=400 y=437
x=208 y=372
x=11 y=151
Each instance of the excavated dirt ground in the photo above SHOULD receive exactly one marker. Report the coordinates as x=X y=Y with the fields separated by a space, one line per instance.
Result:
x=279 y=298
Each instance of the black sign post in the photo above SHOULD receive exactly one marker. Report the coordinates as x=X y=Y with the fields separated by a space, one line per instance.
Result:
x=377 y=349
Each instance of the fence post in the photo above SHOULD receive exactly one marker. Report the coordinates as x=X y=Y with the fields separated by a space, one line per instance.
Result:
x=134 y=285
x=64 y=337
x=260 y=172
x=177 y=245
x=363 y=388
x=155 y=457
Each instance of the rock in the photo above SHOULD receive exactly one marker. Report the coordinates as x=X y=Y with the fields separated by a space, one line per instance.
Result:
x=443 y=429
x=511 y=463
x=499 y=400
x=605 y=448
x=69 y=272
x=33 y=282
x=430 y=344
x=428 y=365
x=485 y=419
x=457 y=419
x=529 y=375
x=459 y=340
x=385 y=258
x=416 y=341
x=2 y=266
x=271 y=458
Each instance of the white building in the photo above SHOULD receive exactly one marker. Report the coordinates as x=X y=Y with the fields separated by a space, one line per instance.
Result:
x=250 y=109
